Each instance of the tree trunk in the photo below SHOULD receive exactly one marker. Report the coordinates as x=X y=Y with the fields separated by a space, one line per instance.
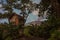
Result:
x=56 y=6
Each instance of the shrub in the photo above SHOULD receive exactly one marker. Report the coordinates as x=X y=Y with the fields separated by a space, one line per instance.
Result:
x=55 y=35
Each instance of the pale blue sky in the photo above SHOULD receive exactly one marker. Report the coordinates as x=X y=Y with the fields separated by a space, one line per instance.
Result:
x=36 y=1
x=5 y=20
x=31 y=17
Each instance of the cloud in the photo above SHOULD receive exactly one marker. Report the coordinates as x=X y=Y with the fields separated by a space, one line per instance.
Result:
x=5 y=20
x=35 y=12
x=36 y=1
x=31 y=18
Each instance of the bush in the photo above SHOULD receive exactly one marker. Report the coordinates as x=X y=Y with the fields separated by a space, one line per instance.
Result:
x=9 y=32
x=26 y=31
x=38 y=31
x=55 y=35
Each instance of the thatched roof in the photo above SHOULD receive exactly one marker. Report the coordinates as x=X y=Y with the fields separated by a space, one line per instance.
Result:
x=20 y=17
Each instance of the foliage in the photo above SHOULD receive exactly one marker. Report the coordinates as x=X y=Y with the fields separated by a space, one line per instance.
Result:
x=26 y=31
x=55 y=35
x=53 y=22
x=38 y=31
x=49 y=30
x=9 y=32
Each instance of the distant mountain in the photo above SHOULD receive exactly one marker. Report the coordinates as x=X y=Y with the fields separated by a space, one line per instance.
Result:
x=34 y=23
x=38 y=22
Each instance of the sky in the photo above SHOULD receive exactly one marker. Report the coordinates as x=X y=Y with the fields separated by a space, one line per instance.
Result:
x=36 y=1
x=31 y=17
x=5 y=20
